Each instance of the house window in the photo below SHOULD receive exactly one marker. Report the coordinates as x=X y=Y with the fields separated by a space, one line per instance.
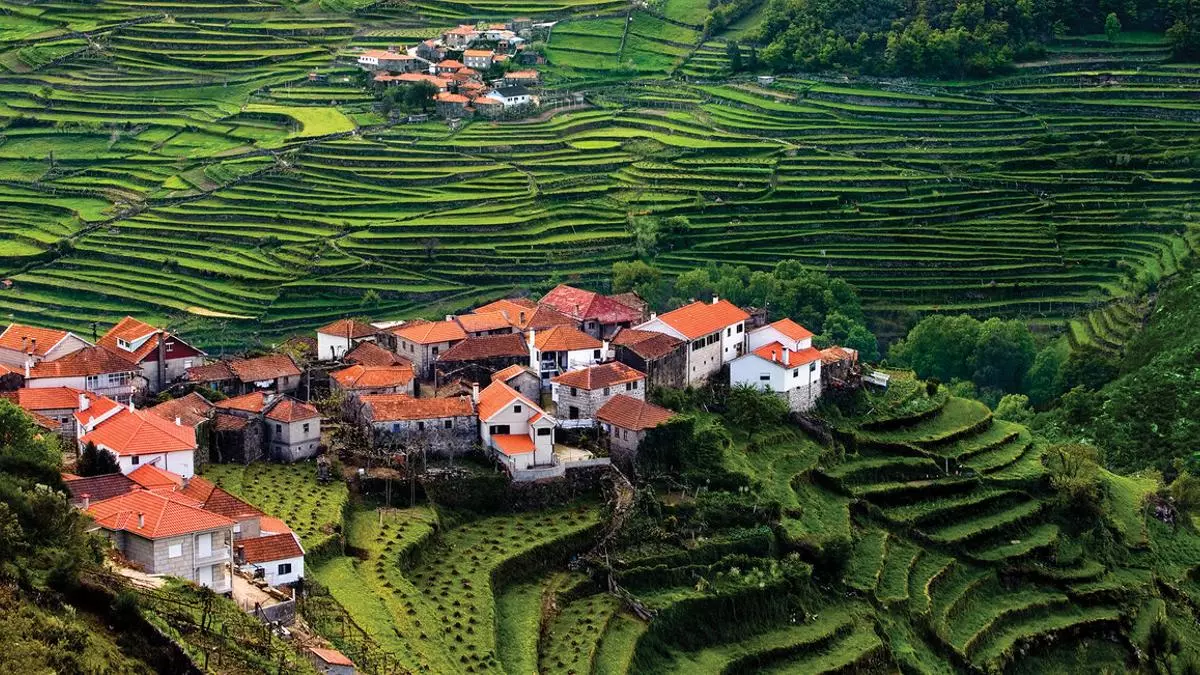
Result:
x=306 y=427
x=420 y=425
x=544 y=431
x=812 y=366
x=174 y=550
x=573 y=413
x=285 y=568
x=434 y=351
x=596 y=355
x=92 y=382
x=279 y=428
x=517 y=408
x=447 y=424
x=765 y=377
x=574 y=391
x=739 y=328
x=728 y=332
x=237 y=528
x=170 y=346
x=135 y=460
x=607 y=391
x=697 y=345
x=395 y=427
x=796 y=372
x=187 y=363
x=498 y=429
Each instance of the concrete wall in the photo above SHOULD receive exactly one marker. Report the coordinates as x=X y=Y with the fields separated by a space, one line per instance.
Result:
x=462 y=435
x=704 y=361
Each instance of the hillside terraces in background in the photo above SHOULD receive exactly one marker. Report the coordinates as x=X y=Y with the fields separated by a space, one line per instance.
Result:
x=184 y=167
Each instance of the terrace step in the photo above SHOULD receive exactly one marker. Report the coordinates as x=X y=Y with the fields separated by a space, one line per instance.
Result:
x=985 y=525
x=861 y=645
x=929 y=511
x=1040 y=537
x=893 y=583
x=991 y=651
x=865 y=565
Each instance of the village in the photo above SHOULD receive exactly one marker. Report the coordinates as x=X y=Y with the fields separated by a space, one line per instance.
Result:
x=539 y=390
x=469 y=71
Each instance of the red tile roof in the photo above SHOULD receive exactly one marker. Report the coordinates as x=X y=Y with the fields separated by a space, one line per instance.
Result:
x=98 y=488
x=163 y=515
x=226 y=422
x=191 y=409
x=701 y=318
x=331 y=656
x=431 y=332
x=583 y=305
x=598 y=377
x=487 y=347
x=356 y=329
x=646 y=343
x=98 y=407
x=212 y=372
x=564 y=338
x=86 y=361
x=384 y=54
x=262 y=368
x=506 y=374
x=478 y=322
x=447 y=97
x=214 y=499
x=151 y=477
x=287 y=409
x=498 y=395
x=791 y=330
x=835 y=354
x=270 y=548
x=371 y=354
x=630 y=413
x=46 y=339
x=372 y=377
x=478 y=52
x=138 y=432
x=506 y=305
x=545 y=317
x=46 y=398
x=797 y=357
x=273 y=525
x=397 y=407
x=450 y=63
x=462 y=29
x=513 y=444
x=254 y=402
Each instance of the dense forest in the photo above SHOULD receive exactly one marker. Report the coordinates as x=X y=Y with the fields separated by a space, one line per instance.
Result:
x=953 y=38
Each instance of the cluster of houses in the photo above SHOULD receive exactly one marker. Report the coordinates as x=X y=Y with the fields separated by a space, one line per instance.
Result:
x=456 y=63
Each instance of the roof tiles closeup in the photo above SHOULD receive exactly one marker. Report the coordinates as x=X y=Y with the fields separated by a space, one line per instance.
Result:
x=86 y=361
x=431 y=332
x=791 y=330
x=487 y=347
x=496 y=396
x=287 y=409
x=254 y=402
x=630 y=413
x=191 y=410
x=46 y=398
x=373 y=377
x=348 y=328
x=399 y=407
x=371 y=354
x=598 y=377
x=701 y=318
x=646 y=343
x=138 y=432
x=584 y=305
x=479 y=322
x=37 y=341
x=155 y=515
x=270 y=548
x=564 y=338
x=776 y=353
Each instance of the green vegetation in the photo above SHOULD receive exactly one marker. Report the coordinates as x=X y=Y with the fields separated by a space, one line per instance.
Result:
x=288 y=492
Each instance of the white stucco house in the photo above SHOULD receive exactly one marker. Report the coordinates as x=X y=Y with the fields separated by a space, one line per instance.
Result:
x=335 y=340
x=279 y=558
x=782 y=360
x=558 y=349
x=136 y=437
x=518 y=432
x=716 y=333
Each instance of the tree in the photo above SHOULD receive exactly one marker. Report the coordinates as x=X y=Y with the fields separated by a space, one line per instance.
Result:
x=734 y=52
x=1112 y=27
x=96 y=462
x=638 y=277
x=1075 y=476
x=1014 y=408
x=939 y=346
x=751 y=409
x=1044 y=381
x=1003 y=353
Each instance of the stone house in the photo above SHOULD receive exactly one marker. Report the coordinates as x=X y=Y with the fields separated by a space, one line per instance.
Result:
x=20 y=344
x=422 y=341
x=521 y=378
x=161 y=358
x=337 y=339
x=57 y=404
x=276 y=373
x=476 y=358
x=380 y=59
x=371 y=354
x=451 y=105
x=519 y=434
x=561 y=348
x=579 y=393
x=357 y=380
x=626 y=420
x=445 y=426
x=479 y=324
x=293 y=430
x=479 y=59
x=782 y=360
x=662 y=357
x=598 y=315
x=165 y=533
x=716 y=333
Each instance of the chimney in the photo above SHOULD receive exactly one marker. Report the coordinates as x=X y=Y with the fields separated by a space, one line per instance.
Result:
x=716 y=298
x=141 y=520
x=87 y=501
x=178 y=422
x=521 y=317
x=84 y=402
x=475 y=392
x=532 y=335
x=33 y=344
x=28 y=364
x=653 y=316
x=786 y=356
x=449 y=317
x=24 y=340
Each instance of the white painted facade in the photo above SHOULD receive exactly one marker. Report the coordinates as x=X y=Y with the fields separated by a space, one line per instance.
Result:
x=180 y=461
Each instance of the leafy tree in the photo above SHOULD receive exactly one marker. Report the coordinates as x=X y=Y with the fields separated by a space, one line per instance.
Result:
x=1014 y=408
x=96 y=462
x=638 y=277
x=1004 y=351
x=1089 y=367
x=751 y=409
x=683 y=445
x=734 y=53
x=1185 y=492
x=939 y=346
x=1075 y=476
x=1044 y=381
x=1112 y=27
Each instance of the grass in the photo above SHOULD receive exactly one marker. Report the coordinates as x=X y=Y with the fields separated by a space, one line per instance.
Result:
x=289 y=492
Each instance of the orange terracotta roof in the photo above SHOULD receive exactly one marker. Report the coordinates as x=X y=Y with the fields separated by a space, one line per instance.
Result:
x=462 y=29
x=522 y=75
x=791 y=330
x=273 y=525
x=478 y=52
x=513 y=444
x=439 y=82
x=372 y=377
x=797 y=357
x=431 y=332
x=138 y=432
x=506 y=305
x=86 y=361
x=506 y=374
x=162 y=515
x=98 y=407
x=478 y=322
x=226 y=422
x=384 y=54
x=41 y=421
x=151 y=477
x=630 y=413
x=217 y=500
x=131 y=331
x=254 y=402
x=598 y=377
x=484 y=100
x=447 y=97
x=396 y=407
x=287 y=409
x=564 y=338
x=450 y=63
x=646 y=343
x=211 y=372
x=270 y=548
x=331 y=656
x=511 y=345
x=356 y=329
x=835 y=354
x=46 y=398
x=191 y=409
x=701 y=318
x=46 y=339
x=371 y=354
x=584 y=305
x=269 y=367
x=496 y=396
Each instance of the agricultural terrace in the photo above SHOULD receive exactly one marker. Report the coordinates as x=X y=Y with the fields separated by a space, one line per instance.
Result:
x=178 y=163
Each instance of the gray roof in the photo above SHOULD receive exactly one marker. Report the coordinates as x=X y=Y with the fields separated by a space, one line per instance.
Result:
x=513 y=91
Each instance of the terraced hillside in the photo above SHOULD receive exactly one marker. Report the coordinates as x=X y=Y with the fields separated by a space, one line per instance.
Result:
x=174 y=160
